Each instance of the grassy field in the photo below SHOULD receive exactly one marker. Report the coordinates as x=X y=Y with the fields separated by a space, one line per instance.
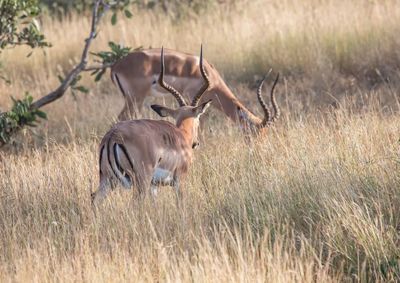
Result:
x=318 y=200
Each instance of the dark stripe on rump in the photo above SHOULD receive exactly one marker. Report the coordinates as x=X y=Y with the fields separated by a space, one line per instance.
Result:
x=127 y=156
x=119 y=85
x=101 y=156
x=109 y=161
x=119 y=167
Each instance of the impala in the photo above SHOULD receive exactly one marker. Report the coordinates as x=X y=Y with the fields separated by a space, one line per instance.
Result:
x=136 y=76
x=149 y=153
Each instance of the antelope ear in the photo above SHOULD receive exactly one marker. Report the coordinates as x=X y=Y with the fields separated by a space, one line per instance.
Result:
x=163 y=111
x=202 y=108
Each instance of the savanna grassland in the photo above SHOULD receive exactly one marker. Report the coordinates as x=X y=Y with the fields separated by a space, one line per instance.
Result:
x=318 y=200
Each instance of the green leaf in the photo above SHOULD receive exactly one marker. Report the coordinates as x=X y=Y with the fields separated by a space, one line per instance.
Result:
x=128 y=14
x=112 y=45
x=41 y=114
x=99 y=75
x=30 y=99
x=83 y=89
x=94 y=72
x=114 y=19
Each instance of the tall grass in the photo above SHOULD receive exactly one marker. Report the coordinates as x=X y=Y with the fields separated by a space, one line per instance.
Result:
x=317 y=200
x=329 y=44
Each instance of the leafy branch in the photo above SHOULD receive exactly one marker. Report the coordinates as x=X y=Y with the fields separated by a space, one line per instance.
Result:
x=20 y=114
x=108 y=58
x=18 y=24
x=26 y=112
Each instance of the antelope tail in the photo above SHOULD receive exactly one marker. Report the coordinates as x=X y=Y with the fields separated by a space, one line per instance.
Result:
x=114 y=154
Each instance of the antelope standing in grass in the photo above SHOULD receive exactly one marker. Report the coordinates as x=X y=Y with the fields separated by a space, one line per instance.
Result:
x=149 y=153
x=136 y=75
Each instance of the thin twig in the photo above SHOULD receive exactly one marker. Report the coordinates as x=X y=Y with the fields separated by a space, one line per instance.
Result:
x=99 y=67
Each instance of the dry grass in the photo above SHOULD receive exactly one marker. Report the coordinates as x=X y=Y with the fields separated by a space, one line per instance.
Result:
x=330 y=45
x=319 y=200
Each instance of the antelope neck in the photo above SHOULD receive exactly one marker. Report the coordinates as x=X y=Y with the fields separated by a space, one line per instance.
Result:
x=228 y=103
x=186 y=127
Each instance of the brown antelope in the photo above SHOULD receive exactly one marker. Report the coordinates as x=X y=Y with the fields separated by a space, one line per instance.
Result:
x=149 y=153
x=136 y=77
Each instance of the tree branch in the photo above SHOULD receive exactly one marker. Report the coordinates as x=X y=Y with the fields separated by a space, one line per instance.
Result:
x=60 y=91
x=99 y=9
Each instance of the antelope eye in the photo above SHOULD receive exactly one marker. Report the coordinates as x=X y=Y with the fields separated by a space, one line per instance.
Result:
x=195 y=145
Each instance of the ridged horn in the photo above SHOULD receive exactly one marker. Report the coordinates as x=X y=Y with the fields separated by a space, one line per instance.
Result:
x=206 y=84
x=167 y=87
x=273 y=101
x=267 y=113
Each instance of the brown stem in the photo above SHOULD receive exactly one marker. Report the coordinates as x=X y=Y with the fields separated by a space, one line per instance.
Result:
x=66 y=83
x=60 y=91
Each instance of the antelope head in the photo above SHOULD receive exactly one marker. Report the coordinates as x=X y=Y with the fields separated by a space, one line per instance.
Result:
x=249 y=124
x=187 y=115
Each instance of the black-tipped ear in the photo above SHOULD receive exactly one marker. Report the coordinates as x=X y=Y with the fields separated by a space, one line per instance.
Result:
x=206 y=104
x=203 y=107
x=160 y=110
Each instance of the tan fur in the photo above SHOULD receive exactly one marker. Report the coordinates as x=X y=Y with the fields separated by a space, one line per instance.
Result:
x=136 y=73
x=147 y=153
x=149 y=144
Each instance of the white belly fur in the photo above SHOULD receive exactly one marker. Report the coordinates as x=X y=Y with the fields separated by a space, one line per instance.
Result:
x=162 y=176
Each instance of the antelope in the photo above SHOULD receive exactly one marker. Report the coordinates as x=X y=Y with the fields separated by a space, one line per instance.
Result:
x=136 y=77
x=150 y=153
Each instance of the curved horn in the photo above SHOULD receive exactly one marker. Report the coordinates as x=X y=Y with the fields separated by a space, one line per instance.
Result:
x=267 y=113
x=267 y=118
x=273 y=101
x=166 y=86
x=206 y=85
